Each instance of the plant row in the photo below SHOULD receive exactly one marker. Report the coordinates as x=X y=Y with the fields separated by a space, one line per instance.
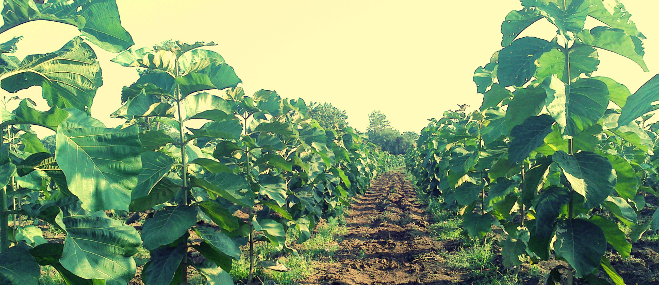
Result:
x=561 y=160
x=212 y=167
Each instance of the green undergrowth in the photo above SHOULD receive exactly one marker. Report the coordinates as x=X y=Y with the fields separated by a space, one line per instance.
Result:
x=323 y=243
x=477 y=258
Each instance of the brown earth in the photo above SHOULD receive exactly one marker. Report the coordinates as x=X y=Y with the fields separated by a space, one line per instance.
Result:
x=387 y=241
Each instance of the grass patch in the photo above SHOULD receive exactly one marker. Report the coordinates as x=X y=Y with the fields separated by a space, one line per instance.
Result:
x=301 y=265
x=476 y=257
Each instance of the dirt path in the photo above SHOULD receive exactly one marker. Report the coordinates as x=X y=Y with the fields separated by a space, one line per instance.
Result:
x=387 y=241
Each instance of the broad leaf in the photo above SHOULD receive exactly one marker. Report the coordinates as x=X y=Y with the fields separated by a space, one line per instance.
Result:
x=477 y=225
x=168 y=225
x=527 y=102
x=26 y=114
x=220 y=215
x=154 y=140
x=618 y=93
x=534 y=178
x=516 y=22
x=219 y=241
x=614 y=14
x=68 y=77
x=144 y=105
x=274 y=187
x=621 y=209
x=273 y=230
x=517 y=61
x=97 y=246
x=163 y=264
x=201 y=66
x=98 y=20
x=589 y=174
x=627 y=182
x=581 y=243
x=467 y=192
x=613 y=234
x=229 y=186
x=641 y=102
x=155 y=166
x=207 y=106
x=214 y=275
x=528 y=136
x=578 y=106
x=617 y=41
x=547 y=208
x=101 y=165
x=18 y=267
x=225 y=129
x=162 y=192
x=494 y=96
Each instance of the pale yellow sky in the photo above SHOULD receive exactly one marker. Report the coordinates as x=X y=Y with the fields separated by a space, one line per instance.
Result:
x=411 y=60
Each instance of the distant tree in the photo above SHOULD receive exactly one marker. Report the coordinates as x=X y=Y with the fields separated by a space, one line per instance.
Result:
x=328 y=116
x=381 y=133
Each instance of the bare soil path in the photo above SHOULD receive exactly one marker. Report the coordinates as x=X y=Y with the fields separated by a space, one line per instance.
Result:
x=387 y=241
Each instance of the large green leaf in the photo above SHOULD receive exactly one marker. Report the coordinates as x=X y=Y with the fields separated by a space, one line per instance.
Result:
x=154 y=140
x=641 y=102
x=155 y=166
x=68 y=77
x=18 y=266
x=534 y=178
x=97 y=247
x=203 y=69
x=634 y=134
x=220 y=215
x=101 y=165
x=627 y=182
x=225 y=129
x=570 y=18
x=229 y=186
x=98 y=20
x=144 y=105
x=494 y=96
x=207 y=106
x=168 y=225
x=163 y=264
x=578 y=106
x=547 y=208
x=621 y=209
x=467 y=192
x=617 y=41
x=26 y=114
x=517 y=61
x=528 y=136
x=614 y=14
x=219 y=241
x=527 y=102
x=589 y=174
x=581 y=243
x=273 y=230
x=516 y=22
x=613 y=234
x=214 y=275
x=50 y=254
x=618 y=93
x=274 y=187
x=477 y=225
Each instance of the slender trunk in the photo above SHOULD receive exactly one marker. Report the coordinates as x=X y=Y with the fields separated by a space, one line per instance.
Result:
x=184 y=168
x=251 y=248
x=4 y=216
x=4 y=220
